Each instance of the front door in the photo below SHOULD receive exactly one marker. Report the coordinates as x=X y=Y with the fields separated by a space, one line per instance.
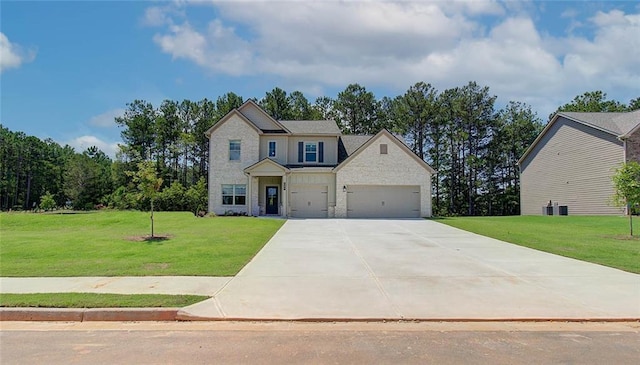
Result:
x=272 y=200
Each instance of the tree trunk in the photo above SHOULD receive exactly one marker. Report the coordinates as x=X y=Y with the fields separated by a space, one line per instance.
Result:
x=151 y=218
x=630 y=219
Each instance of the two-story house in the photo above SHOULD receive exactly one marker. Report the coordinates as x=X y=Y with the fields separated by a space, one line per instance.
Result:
x=308 y=169
x=572 y=162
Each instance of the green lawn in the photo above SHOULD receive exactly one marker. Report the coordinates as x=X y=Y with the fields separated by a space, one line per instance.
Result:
x=93 y=300
x=103 y=244
x=603 y=240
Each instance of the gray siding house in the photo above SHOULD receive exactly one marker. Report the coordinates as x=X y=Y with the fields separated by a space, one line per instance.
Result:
x=308 y=169
x=572 y=161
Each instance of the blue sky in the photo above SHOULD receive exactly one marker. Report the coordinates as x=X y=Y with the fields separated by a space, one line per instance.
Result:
x=67 y=68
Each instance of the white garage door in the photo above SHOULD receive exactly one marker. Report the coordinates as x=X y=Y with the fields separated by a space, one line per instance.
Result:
x=309 y=201
x=383 y=201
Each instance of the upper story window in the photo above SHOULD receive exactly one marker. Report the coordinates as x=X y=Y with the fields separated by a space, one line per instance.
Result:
x=310 y=152
x=272 y=148
x=234 y=150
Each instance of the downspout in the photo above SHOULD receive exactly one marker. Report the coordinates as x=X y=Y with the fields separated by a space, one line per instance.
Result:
x=624 y=147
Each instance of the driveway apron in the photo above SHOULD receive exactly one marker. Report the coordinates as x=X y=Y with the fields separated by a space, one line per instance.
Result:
x=414 y=269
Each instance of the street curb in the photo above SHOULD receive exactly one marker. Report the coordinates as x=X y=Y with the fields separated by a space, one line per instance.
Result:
x=88 y=314
x=174 y=314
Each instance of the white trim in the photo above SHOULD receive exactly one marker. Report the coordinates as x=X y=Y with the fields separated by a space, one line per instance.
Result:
x=233 y=195
x=240 y=150
x=304 y=151
x=275 y=149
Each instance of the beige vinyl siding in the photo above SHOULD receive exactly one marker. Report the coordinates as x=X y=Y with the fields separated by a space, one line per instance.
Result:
x=330 y=149
x=281 y=148
x=258 y=117
x=571 y=165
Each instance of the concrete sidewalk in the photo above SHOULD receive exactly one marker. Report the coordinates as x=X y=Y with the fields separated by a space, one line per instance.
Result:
x=193 y=285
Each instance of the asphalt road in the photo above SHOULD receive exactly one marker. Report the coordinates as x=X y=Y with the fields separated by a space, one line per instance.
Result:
x=313 y=343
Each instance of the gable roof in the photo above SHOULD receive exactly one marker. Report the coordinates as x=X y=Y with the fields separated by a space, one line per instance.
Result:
x=620 y=125
x=252 y=104
x=394 y=139
x=348 y=144
x=227 y=117
x=266 y=161
x=327 y=127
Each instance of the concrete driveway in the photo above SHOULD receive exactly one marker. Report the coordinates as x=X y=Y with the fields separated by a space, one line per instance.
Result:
x=414 y=269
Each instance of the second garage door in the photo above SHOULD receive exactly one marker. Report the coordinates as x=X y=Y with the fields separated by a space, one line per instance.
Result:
x=383 y=201
x=309 y=201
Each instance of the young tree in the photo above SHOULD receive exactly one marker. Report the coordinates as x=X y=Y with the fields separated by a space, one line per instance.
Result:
x=626 y=182
x=197 y=197
x=47 y=202
x=148 y=184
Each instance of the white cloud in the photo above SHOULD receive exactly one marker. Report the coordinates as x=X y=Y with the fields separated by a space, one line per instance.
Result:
x=155 y=16
x=395 y=44
x=106 y=119
x=83 y=142
x=612 y=58
x=13 y=55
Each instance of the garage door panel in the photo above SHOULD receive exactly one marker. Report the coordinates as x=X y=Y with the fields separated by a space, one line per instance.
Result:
x=309 y=201
x=389 y=201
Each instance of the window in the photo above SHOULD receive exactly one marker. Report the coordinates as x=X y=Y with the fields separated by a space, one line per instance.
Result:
x=234 y=150
x=272 y=148
x=310 y=151
x=234 y=194
x=383 y=149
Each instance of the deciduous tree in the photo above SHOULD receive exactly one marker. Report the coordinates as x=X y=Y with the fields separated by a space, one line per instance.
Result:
x=626 y=182
x=148 y=184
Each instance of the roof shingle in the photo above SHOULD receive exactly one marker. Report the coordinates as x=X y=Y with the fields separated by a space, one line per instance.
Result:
x=617 y=124
x=311 y=126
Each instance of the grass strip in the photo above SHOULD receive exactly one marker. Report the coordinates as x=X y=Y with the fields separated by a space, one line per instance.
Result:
x=603 y=240
x=112 y=243
x=98 y=300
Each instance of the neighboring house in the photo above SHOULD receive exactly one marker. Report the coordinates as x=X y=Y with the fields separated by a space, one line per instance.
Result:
x=308 y=169
x=572 y=161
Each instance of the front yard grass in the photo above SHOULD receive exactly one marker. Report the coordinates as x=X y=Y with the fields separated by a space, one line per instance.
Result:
x=96 y=300
x=603 y=240
x=106 y=243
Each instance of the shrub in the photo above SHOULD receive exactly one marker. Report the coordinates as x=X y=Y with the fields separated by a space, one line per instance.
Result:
x=47 y=202
x=197 y=197
x=172 y=198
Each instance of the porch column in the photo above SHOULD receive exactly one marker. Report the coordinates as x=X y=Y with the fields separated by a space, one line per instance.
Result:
x=285 y=194
x=248 y=195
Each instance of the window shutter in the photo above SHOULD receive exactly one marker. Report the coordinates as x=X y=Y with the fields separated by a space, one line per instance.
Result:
x=320 y=152
x=300 y=151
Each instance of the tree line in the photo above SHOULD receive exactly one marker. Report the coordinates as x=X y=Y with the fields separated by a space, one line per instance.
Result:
x=459 y=131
